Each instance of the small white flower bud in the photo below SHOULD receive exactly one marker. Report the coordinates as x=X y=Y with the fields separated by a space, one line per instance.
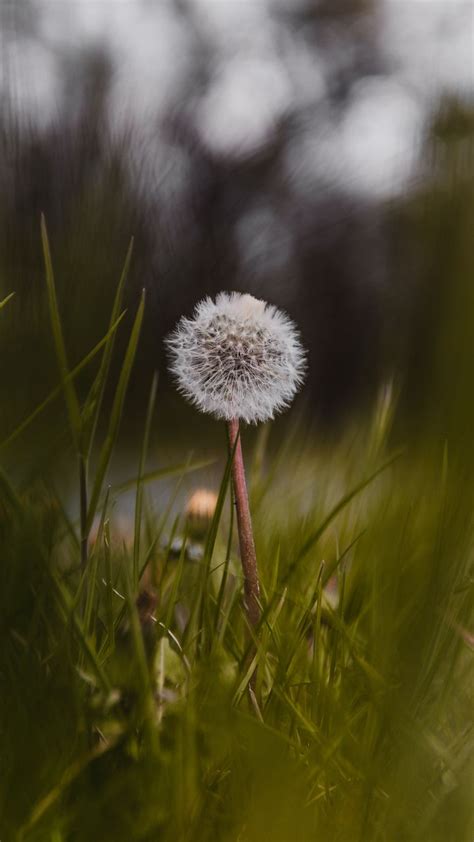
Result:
x=200 y=510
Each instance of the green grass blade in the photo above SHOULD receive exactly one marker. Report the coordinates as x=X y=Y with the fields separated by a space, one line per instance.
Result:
x=318 y=532
x=141 y=469
x=181 y=469
x=202 y=602
x=116 y=414
x=59 y=388
x=72 y=402
x=154 y=543
x=147 y=709
x=225 y=573
x=66 y=605
x=91 y=570
x=172 y=595
x=6 y=300
x=94 y=400
x=71 y=773
x=109 y=590
x=9 y=492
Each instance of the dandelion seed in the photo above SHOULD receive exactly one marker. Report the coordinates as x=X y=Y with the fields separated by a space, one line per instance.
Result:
x=238 y=357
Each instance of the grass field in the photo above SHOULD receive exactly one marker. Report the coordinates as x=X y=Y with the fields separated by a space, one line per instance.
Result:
x=125 y=711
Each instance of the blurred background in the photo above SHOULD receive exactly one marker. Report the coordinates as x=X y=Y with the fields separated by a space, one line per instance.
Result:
x=317 y=154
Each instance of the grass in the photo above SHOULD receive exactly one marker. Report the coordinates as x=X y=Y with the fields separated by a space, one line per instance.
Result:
x=124 y=704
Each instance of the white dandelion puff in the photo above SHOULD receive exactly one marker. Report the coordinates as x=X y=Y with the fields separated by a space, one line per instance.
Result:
x=237 y=358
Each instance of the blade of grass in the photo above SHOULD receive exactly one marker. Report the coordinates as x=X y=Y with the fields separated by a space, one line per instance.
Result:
x=316 y=659
x=147 y=707
x=92 y=570
x=202 y=602
x=6 y=300
x=182 y=469
x=70 y=395
x=83 y=496
x=160 y=580
x=109 y=594
x=141 y=468
x=343 y=502
x=314 y=537
x=226 y=612
x=154 y=543
x=9 y=492
x=116 y=414
x=66 y=605
x=71 y=773
x=258 y=652
x=94 y=401
x=225 y=572
x=171 y=598
x=59 y=388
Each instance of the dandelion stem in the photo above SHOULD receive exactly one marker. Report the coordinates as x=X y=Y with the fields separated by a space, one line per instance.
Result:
x=244 y=524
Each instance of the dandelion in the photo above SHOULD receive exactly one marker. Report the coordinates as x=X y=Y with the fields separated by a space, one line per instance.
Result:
x=239 y=359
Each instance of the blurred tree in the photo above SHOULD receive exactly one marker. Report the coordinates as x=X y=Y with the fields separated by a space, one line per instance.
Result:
x=271 y=218
x=437 y=225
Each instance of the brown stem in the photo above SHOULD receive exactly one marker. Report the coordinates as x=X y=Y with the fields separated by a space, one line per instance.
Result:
x=244 y=524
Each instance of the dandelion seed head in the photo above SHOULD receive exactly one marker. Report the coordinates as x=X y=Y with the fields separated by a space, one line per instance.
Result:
x=237 y=357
